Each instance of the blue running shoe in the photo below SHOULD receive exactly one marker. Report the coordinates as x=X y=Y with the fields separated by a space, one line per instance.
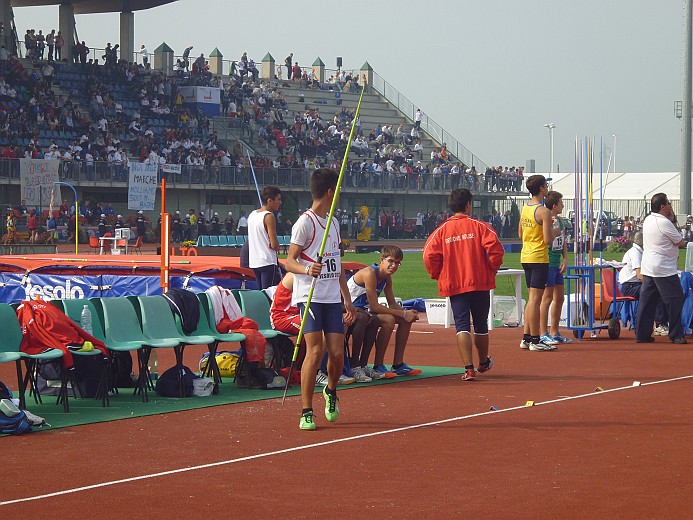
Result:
x=548 y=339
x=406 y=370
x=562 y=339
x=383 y=370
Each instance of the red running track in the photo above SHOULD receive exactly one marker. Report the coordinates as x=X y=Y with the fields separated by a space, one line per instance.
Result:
x=621 y=454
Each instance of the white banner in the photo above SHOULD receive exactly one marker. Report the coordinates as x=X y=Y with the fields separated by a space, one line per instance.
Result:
x=142 y=186
x=38 y=178
x=210 y=95
x=172 y=168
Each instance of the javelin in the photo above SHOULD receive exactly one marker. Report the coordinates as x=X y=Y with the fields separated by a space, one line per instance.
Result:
x=330 y=216
x=252 y=170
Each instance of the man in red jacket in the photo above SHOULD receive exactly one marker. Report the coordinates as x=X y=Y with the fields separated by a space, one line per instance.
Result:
x=464 y=255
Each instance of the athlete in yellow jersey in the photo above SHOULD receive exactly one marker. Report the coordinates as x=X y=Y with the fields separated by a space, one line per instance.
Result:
x=536 y=232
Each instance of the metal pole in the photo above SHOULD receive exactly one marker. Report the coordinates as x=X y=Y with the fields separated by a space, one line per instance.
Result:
x=685 y=179
x=614 y=156
x=165 y=241
x=551 y=142
x=550 y=126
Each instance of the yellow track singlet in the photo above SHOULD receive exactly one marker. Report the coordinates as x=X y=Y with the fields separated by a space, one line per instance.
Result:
x=534 y=250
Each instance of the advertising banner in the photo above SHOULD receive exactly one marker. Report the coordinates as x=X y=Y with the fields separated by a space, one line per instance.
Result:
x=61 y=287
x=172 y=168
x=48 y=287
x=207 y=99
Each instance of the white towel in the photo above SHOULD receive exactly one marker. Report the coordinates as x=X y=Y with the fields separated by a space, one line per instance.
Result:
x=223 y=300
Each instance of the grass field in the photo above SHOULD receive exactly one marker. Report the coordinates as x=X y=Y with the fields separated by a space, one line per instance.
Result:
x=412 y=280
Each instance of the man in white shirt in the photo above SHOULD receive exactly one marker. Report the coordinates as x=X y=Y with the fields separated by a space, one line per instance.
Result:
x=661 y=242
x=145 y=56
x=89 y=163
x=262 y=238
x=630 y=279
x=417 y=118
x=135 y=126
x=419 y=224
x=377 y=173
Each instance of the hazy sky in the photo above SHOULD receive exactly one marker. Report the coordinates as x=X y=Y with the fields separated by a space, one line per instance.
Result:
x=491 y=72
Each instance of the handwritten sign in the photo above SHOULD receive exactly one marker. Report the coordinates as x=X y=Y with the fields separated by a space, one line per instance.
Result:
x=38 y=178
x=142 y=186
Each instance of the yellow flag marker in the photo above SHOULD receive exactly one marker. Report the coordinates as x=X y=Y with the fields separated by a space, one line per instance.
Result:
x=529 y=403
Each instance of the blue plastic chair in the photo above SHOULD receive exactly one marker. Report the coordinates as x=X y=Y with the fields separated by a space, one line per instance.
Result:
x=158 y=323
x=204 y=328
x=255 y=305
x=9 y=345
x=12 y=332
x=73 y=309
x=122 y=327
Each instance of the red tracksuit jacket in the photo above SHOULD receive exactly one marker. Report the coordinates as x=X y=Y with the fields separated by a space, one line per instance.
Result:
x=44 y=326
x=463 y=254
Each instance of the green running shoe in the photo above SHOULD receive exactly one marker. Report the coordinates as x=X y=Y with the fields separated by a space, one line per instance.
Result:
x=331 y=406
x=307 y=421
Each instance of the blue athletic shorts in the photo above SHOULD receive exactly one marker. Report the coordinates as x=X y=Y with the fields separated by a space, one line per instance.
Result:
x=536 y=275
x=555 y=277
x=325 y=317
x=475 y=303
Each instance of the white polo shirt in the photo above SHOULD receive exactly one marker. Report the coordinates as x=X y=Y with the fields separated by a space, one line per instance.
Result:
x=660 y=250
x=632 y=260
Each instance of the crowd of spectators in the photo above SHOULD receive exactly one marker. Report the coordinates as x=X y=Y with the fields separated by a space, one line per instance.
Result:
x=109 y=136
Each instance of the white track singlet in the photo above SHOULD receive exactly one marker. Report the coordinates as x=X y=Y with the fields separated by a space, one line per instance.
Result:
x=259 y=252
x=307 y=233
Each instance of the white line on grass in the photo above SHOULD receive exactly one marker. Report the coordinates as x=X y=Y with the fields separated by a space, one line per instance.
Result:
x=326 y=443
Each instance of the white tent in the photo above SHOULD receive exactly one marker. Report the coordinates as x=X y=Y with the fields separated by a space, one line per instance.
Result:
x=622 y=185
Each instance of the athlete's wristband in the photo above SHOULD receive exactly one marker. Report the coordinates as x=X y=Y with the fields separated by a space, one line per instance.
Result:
x=307 y=269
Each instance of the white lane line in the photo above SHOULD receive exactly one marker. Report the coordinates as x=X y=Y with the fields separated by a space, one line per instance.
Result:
x=327 y=443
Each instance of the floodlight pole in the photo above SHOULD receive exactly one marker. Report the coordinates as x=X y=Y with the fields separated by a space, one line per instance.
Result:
x=685 y=178
x=76 y=213
x=550 y=126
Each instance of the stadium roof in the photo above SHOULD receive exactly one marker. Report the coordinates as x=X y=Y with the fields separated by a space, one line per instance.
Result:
x=97 y=6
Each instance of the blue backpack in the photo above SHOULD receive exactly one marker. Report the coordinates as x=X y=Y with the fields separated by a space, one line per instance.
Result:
x=168 y=386
x=16 y=424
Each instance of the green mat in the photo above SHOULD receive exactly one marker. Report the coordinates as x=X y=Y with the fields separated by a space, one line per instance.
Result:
x=127 y=406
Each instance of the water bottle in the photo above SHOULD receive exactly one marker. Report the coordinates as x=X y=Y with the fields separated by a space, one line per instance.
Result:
x=153 y=365
x=86 y=320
